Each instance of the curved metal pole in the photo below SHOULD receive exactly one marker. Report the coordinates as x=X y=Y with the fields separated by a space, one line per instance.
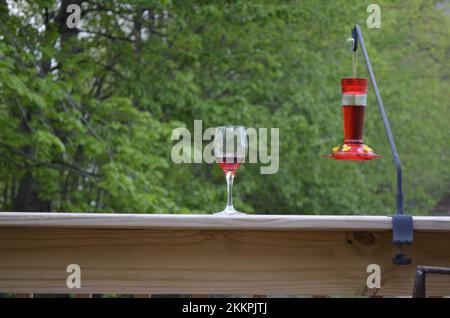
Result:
x=357 y=33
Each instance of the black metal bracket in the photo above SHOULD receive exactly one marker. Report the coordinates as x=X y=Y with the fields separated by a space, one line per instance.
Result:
x=402 y=226
x=402 y=233
x=402 y=229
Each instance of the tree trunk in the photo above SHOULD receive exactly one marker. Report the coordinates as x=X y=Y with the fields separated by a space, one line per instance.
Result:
x=27 y=199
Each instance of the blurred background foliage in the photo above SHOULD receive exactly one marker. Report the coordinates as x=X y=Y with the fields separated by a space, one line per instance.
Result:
x=86 y=114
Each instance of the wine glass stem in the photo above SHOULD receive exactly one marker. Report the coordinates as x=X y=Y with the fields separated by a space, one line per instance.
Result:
x=230 y=177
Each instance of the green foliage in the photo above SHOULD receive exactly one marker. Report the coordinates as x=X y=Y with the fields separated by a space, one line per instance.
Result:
x=90 y=116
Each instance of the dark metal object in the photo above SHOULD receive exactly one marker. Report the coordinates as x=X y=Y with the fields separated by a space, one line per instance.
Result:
x=402 y=233
x=355 y=39
x=402 y=229
x=421 y=274
x=402 y=226
x=356 y=32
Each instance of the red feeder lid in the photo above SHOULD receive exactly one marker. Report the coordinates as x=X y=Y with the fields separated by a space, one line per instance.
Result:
x=354 y=85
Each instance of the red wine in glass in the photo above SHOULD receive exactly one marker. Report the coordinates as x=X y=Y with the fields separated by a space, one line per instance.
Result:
x=230 y=164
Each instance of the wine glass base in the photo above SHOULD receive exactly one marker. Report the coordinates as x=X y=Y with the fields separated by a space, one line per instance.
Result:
x=229 y=211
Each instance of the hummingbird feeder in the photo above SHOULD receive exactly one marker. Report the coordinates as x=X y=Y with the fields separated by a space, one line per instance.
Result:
x=354 y=95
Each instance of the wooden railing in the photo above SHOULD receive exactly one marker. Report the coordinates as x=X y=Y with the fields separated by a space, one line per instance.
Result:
x=257 y=255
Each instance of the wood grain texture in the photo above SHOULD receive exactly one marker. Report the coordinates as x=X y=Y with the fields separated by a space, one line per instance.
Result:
x=214 y=222
x=168 y=261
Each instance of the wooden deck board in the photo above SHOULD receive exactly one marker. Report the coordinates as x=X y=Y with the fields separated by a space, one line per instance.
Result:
x=203 y=254
x=213 y=222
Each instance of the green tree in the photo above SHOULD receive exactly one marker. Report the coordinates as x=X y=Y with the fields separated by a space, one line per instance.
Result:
x=86 y=114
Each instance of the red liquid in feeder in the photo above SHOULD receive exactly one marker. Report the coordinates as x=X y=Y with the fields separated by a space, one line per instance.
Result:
x=353 y=123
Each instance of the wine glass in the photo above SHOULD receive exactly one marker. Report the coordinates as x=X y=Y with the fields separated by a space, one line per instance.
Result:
x=230 y=147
